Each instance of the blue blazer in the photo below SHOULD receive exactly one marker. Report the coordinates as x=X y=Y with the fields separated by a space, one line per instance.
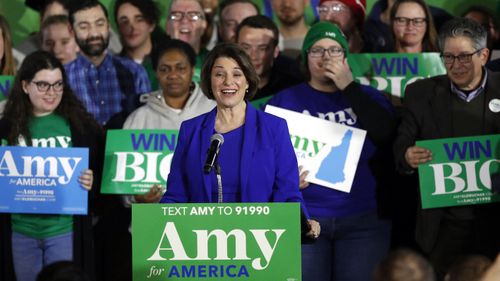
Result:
x=268 y=172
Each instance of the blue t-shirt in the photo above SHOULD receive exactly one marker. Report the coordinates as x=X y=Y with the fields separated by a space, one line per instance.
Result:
x=229 y=160
x=322 y=201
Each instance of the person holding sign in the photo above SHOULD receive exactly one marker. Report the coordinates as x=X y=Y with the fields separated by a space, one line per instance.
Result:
x=465 y=102
x=42 y=111
x=354 y=239
x=255 y=162
x=178 y=99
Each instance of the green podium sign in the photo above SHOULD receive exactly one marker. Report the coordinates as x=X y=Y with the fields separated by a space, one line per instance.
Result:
x=234 y=241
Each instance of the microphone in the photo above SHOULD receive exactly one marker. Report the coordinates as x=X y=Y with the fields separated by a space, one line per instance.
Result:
x=215 y=143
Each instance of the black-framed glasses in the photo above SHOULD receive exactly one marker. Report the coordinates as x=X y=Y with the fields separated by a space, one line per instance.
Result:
x=319 y=52
x=462 y=58
x=335 y=8
x=418 y=22
x=44 y=86
x=191 y=16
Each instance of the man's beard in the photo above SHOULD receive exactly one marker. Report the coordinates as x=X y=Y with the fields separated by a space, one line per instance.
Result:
x=290 y=19
x=93 y=50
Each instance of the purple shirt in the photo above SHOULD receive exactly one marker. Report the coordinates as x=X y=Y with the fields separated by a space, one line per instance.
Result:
x=323 y=201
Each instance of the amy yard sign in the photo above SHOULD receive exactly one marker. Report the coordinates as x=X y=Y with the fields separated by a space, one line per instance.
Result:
x=247 y=241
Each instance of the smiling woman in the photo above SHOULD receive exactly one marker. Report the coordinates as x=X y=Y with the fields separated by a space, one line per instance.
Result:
x=257 y=159
x=413 y=27
x=44 y=91
x=41 y=108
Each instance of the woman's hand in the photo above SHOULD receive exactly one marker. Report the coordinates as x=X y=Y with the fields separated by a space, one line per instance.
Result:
x=86 y=179
x=152 y=196
x=338 y=70
x=315 y=229
x=302 y=178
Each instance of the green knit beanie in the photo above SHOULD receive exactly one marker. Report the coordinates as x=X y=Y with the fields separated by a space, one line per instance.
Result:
x=320 y=30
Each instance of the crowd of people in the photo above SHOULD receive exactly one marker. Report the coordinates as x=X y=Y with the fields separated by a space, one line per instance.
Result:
x=76 y=78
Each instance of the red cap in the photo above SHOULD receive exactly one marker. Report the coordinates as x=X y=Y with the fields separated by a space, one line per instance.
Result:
x=358 y=9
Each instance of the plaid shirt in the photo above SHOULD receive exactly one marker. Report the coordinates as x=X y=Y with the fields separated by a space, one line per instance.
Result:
x=109 y=88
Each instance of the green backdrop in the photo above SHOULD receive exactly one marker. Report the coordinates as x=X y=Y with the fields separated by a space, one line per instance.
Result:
x=23 y=20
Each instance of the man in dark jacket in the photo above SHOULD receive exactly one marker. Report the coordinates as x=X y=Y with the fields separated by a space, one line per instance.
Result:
x=459 y=104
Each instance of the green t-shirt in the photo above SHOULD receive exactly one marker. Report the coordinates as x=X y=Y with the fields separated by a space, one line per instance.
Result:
x=46 y=131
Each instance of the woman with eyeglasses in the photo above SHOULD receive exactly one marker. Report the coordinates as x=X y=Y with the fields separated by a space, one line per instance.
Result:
x=353 y=237
x=186 y=21
x=42 y=107
x=413 y=27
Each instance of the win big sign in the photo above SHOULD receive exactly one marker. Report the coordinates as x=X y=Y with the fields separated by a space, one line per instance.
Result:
x=245 y=241
x=134 y=160
x=391 y=72
x=460 y=171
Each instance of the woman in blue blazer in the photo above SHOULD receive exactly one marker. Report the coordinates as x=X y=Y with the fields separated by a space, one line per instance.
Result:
x=257 y=159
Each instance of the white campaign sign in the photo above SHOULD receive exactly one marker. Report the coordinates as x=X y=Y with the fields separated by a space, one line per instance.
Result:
x=329 y=151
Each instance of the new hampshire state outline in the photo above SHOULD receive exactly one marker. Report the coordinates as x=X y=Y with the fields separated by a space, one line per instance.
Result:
x=332 y=167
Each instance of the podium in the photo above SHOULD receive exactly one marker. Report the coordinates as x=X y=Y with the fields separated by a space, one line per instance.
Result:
x=230 y=241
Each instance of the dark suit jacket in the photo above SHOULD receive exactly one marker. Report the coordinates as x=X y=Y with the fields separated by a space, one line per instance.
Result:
x=268 y=173
x=428 y=116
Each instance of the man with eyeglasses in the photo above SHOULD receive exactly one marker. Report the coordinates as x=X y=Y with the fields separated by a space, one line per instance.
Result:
x=349 y=15
x=186 y=22
x=258 y=36
x=464 y=102
x=107 y=85
x=354 y=238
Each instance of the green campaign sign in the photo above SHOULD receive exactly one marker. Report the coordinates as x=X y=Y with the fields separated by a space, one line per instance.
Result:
x=460 y=171
x=235 y=241
x=391 y=72
x=134 y=160
x=6 y=82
